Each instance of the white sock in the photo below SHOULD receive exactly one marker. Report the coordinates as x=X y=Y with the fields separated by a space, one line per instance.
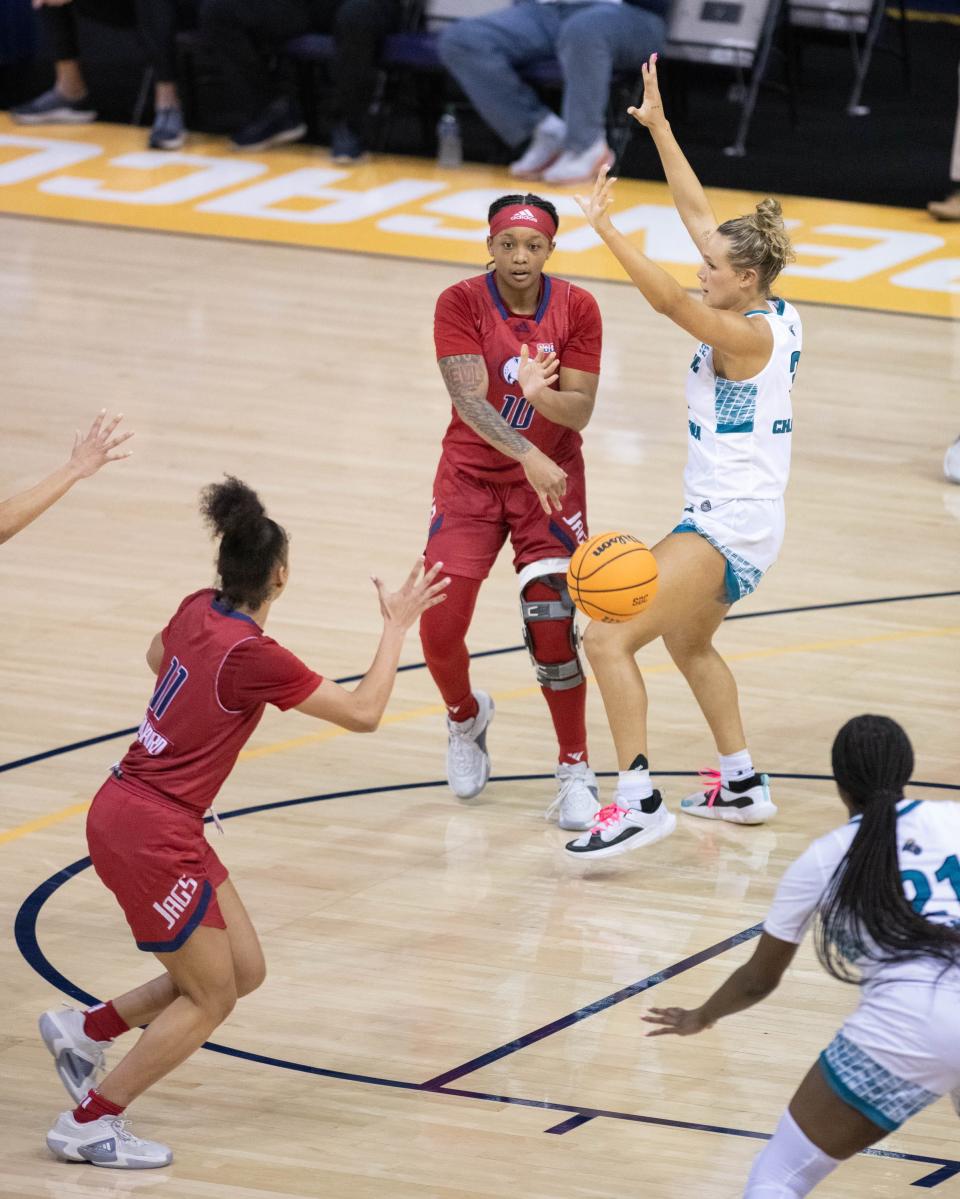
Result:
x=735 y=766
x=634 y=786
x=789 y=1166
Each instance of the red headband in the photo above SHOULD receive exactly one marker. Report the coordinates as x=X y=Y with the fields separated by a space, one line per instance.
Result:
x=523 y=216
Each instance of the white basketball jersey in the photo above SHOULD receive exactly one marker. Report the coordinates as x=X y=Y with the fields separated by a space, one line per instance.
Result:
x=740 y=432
x=928 y=847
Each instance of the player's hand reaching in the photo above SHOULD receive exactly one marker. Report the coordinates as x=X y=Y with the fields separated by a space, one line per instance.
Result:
x=537 y=375
x=596 y=207
x=403 y=608
x=547 y=479
x=650 y=114
x=98 y=447
x=682 y=1022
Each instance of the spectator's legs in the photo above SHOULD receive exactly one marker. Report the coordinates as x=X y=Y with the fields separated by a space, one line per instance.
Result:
x=359 y=27
x=240 y=33
x=157 y=24
x=949 y=209
x=482 y=54
x=60 y=27
x=594 y=40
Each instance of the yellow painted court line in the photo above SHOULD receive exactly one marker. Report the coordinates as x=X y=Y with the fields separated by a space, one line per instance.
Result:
x=276 y=747
x=42 y=822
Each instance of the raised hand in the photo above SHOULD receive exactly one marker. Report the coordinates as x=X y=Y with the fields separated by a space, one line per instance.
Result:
x=596 y=207
x=650 y=112
x=97 y=447
x=547 y=479
x=403 y=608
x=536 y=375
x=682 y=1022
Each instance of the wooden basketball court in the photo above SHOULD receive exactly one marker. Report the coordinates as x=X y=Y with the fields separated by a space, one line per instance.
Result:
x=452 y=1007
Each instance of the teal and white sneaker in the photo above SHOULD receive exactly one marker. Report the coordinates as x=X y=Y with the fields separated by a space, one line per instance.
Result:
x=576 y=806
x=105 y=1142
x=745 y=801
x=468 y=763
x=79 y=1059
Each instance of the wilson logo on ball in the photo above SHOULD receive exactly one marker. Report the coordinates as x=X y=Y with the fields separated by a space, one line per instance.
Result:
x=612 y=577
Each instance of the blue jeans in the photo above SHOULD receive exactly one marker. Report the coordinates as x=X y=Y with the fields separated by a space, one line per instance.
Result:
x=590 y=41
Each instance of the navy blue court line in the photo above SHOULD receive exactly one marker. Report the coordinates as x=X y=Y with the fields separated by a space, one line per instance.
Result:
x=599 y=1005
x=490 y=653
x=26 y=938
x=569 y=1125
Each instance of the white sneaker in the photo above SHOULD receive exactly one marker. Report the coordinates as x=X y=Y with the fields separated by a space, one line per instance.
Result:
x=619 y=829
x=79 y=1059
x=951 y=463
x=105 y=1142
x=576 y=805
x=468 y=763
x=579 y=168
x=744 y=802
x=545 y=147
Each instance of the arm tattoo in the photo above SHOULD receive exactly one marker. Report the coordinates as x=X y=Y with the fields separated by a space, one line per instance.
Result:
x=466 y=378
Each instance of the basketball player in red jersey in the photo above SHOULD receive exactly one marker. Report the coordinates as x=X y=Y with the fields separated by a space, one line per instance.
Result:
x=520 y=355
x=216 y=670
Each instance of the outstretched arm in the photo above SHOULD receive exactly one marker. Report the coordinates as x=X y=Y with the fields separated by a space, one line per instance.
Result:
x=688 y=195
x=361 y=709
x=88 y=455
x=728 y=331
x=753 y=981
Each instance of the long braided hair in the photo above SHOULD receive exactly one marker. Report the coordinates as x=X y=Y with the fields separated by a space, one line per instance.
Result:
x=864 y=912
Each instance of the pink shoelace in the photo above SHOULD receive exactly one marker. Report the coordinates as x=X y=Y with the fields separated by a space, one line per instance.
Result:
x=713 y=781
x=612 y=812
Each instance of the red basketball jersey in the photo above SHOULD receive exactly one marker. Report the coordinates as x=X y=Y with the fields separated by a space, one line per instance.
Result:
x=471 y=318
x=219 y=671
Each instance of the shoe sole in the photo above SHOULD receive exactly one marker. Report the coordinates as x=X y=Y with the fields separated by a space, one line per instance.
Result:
x=757 y=814
x=51 y=1034
x=278 y=139
x=650 y=837
x=343 y=160
x=59 y=116
x=173 y=144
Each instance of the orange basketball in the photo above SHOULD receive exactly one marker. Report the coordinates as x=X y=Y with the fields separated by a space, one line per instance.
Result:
x=612 y=577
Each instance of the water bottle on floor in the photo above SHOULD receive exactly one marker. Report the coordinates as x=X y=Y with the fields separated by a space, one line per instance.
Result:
x=449 y=141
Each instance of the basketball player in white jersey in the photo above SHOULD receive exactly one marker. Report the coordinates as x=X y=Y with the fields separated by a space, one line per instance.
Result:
x=884 y=891
x=739 y=428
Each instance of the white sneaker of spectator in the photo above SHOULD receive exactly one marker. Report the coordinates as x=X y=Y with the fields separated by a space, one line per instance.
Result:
x=546 y=146
x=579 y=167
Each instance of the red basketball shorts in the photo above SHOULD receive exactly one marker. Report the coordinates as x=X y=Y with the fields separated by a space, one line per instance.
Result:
x=471 y=519
x=154 y=857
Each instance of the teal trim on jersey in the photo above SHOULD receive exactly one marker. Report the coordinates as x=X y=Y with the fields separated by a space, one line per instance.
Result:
x=745 y=427
x=759 y=312
x=840 y=1088
x=781 y=307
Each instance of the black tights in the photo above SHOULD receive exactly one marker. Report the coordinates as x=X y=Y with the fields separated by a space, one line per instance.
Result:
x=243 y=33
x=156 y=21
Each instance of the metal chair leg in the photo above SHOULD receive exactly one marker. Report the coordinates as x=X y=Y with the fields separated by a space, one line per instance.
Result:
x=854 y=107
x=761 y=58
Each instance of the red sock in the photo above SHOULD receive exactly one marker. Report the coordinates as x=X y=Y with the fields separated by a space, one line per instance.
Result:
x=551 y=639
x=443 y=632
x=103 y=1022
x=95 y=1107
